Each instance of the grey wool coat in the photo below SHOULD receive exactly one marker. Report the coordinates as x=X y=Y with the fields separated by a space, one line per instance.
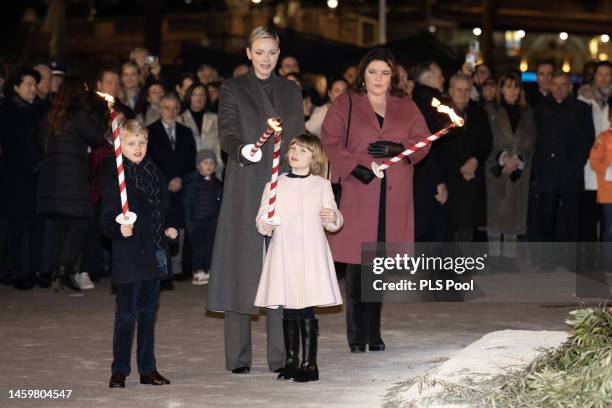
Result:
x=506 y=200
x=238 y=252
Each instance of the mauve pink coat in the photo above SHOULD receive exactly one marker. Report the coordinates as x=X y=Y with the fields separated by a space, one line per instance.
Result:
x=298 y=270
x=359 y=204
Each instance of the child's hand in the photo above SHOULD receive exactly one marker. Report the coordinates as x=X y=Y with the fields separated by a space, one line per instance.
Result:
x=328 y=215
x=268 y=228
x=171 y=233
x=127 y=230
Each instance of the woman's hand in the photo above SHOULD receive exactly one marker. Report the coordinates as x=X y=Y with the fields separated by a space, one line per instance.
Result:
x=363 y=174
x=127 y=230
x=384 y=148
x=328 y=215
x=171 y=233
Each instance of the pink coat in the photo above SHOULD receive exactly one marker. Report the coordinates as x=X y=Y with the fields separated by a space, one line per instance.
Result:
x=298 y=270
x=403 y=123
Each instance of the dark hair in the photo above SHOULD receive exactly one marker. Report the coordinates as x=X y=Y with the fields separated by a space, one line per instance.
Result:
x=546 y=62
x=189 y=92
x=603 y=64
x=105 y=70
x=214 y=84
x=152 y=84
x=514 y=78
x=183 y=76
x=379 y=54
x=120 y=107
x=331 y=81
x=71 y=96
x=17 y=78
x=419 y=69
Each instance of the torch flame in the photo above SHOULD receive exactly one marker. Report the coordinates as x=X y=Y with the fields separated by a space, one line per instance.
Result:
x=106 y=97
x=456 y=119
x=275 y=123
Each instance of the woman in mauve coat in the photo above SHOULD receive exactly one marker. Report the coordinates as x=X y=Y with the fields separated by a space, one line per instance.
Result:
x=383 y=122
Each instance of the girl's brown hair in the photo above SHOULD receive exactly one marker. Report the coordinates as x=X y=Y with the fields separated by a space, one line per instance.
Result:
x=70 y=97
x=384 y=55
x=318 y=167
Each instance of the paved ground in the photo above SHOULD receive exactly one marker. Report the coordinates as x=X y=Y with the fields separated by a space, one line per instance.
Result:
x=57 y=341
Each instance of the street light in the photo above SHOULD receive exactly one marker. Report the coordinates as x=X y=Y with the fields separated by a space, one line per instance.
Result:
x=477 y=31
x=332 y=4
x=563 y=36
x=604 y=38
x=520 y=33
x=256 y=1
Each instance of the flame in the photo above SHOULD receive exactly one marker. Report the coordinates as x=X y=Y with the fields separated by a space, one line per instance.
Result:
x=275 y=123
x=456 y=119
x=106 y=97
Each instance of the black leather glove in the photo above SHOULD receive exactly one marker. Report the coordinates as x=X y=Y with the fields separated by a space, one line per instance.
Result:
x=363 y=174
x=385 y=148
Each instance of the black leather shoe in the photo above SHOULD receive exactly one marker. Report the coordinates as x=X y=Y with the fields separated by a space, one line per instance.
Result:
x=241 y=370
x=377 y=346
x=117 y=380
x=357 y=348
x=153 y=378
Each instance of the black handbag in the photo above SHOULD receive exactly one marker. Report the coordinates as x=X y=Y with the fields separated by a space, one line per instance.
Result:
x=337 y=187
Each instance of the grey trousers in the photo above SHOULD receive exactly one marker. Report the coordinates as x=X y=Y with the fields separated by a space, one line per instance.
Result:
x=238 y=339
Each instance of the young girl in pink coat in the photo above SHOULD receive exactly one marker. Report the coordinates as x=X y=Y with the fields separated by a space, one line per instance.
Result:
x=298 y=271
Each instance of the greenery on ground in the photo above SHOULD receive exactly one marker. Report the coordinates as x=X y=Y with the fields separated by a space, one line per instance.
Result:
x=577 y=374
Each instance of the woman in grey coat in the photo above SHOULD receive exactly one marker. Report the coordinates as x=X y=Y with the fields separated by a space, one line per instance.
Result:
x=509 y=166
x=245 y=105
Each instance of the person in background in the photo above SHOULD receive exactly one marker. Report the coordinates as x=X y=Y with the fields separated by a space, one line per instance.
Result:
x=58 y=71
x=202 y=201
x=202 y=122
x=108 y=82
x=600 y=160
x=214 y=89
x=430 y=192
x=464 y=153
x=131 y=94
x=335 y=88
x=148 y=66
x=565 y=133
x=155 y=91
x=172 y=148
x=43 y=88
x=22 y=151
x=77 y=121
x=405 y=81
x=183 y=82
x=288 y=64
x=207 y=74
x=488 y=93
x=508 y=169
x=597 y=95
x=350 y=74
x=535 y=95
x=240 y=70
x=306 y=103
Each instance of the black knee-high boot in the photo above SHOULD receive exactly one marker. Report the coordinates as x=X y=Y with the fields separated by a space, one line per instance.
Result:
x=291 y=331
x=355 y=309
x=308 y=369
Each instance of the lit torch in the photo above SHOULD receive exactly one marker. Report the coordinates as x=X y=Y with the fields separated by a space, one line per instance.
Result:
x=126 y=217
x=456 y=121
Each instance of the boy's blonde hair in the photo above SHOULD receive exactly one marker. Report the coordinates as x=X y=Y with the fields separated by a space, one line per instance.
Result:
x=318 y=167
x=262 y=32
x=133 y=127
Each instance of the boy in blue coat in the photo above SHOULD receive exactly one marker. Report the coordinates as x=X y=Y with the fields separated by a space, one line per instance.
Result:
x=139 y=253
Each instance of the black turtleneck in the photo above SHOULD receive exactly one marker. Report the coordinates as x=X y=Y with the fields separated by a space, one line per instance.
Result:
x=266 y=84
x=514 y=114
x=198 y=117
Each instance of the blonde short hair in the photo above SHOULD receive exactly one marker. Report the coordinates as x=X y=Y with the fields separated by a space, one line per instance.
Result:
x=318 y=167
x=133 y=127
x=262 y=32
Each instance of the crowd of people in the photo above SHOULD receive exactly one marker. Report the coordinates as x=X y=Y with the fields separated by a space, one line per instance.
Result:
x=527 y=160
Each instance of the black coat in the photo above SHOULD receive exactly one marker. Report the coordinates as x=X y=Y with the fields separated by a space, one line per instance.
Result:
x=565 y=134
x=431 y=170
x=21 y=154
x=467 y=200
x=173 y=163
x=133 y=258
x=64 y=182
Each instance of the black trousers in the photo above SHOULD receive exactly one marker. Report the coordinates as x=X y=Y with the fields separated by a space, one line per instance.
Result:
x=568 y=205
x=24 y=235
x=135 y=302
x=202 y=241
x=64 y=238
x=362 y=318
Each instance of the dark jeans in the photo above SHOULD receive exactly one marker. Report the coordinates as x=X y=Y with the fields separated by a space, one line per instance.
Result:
x=96 y=248
x=64 y=239
x=135 y=301
x=590 y=217
x=24 y=235
x=202 y=240
x=362 y=318
x=569 y=205
x=607 y=222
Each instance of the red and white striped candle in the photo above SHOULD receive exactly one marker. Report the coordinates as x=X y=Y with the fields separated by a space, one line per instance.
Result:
x=274 y=178
x=126 y=217
x=456 y=121
x=251 y=151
